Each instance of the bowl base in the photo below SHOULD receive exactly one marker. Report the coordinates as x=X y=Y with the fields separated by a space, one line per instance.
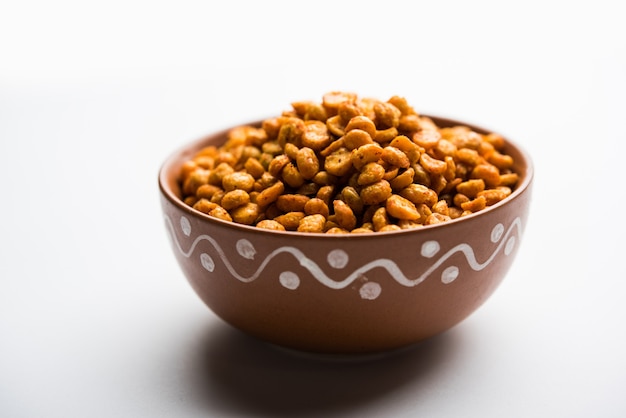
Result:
x=341 y=357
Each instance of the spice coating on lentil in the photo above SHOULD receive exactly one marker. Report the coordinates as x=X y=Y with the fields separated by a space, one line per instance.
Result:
x=348 y=165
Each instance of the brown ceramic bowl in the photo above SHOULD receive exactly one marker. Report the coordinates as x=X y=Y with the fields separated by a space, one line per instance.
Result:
x=347 y=293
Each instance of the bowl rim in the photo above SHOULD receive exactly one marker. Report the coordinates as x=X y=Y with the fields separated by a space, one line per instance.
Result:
x=176 y=155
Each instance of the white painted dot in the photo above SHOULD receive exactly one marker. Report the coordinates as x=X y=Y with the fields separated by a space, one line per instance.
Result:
x=510 y=245
x=207 y=262
x=337 y=259
x=370 y=290
x=289 y=279
x=430 y=248
x=246 y=249
x=496 y=232
x=450 y=274
x=185 y=225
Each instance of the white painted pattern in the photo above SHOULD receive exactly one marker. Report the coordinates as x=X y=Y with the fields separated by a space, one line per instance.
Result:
x=496 y=232
x=289 y=279
x=430 y=248
x=338 y=259
x=207 y=262
x=449 y=274
x=185 y=225
x=370 y=290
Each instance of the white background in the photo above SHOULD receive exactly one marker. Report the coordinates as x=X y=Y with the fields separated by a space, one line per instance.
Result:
x=96 y=319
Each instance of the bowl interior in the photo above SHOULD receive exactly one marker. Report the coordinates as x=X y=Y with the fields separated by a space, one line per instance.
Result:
x=170 y=187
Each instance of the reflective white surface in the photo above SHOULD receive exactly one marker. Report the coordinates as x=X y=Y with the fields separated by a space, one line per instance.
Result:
x=96 y=318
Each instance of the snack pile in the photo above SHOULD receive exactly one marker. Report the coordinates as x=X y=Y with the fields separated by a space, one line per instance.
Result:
x=348 y=165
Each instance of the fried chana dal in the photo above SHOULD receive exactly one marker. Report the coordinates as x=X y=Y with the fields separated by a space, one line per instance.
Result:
x=348 y=164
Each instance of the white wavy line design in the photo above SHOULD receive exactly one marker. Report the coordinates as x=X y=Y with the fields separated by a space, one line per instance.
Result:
x=389 y=265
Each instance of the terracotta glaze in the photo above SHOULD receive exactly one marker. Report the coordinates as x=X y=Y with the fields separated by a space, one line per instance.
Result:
x=345 y=293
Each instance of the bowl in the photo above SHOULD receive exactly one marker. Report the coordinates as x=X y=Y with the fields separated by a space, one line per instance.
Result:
x=345 y=293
